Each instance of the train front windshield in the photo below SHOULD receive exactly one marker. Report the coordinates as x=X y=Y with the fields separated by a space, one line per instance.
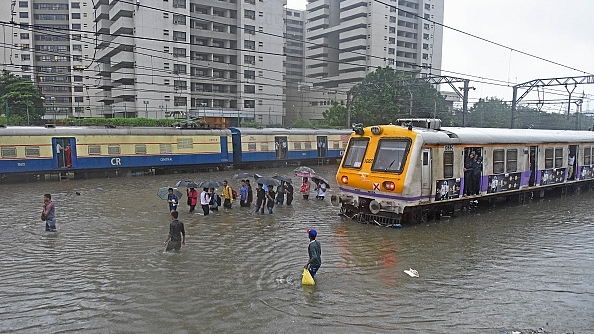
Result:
x=391 y=155
x=355 y=153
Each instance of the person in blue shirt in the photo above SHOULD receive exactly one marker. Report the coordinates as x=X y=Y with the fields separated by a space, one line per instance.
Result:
x=243 y=195
x=173 y=200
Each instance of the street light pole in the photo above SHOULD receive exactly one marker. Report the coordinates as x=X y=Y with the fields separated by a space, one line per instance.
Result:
x=53 y=99
x=146 y=108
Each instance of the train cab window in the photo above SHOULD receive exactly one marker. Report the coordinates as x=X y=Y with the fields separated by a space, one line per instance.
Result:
x=391 y=155
x=9 y=152
x=558 y=157
x=498 y=161
x=32 y=151
x=549 y=158
x=512 y=161
x=296 y=145
x=140 y=149
x=448 y=164
x=113 y=149
x=94 y=149
x=587 y=155
x=355 y=153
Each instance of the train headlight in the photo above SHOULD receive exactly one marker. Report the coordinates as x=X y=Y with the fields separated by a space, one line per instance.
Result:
x=344 y=179
x=389 y=185
x=376 y=130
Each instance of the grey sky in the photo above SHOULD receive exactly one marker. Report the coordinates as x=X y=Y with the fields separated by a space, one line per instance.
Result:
x=560 y=31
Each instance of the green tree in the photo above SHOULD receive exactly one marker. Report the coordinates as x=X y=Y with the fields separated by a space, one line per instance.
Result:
x=24 y=100
x=384 y=96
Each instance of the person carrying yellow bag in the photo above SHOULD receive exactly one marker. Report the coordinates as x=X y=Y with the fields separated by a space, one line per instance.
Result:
x=314 y=250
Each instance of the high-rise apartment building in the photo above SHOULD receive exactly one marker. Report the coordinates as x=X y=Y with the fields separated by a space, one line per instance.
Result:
x=48 y=42
x=215 y=58
x=346 y=40
x=294 y=64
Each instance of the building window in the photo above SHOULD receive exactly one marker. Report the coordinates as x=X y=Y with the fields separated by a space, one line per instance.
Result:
x=249 y=103
x=179 y=19
x=249 y=45
x=249 y=74
x=179 y=69
x=180 y=101
x=75 y=5
x=179 y=3
x=76 y=26
x=24 y=15
x=249 y=89
x=179 y=52
x=248 y=29
x=179 y=36
x=78 y=98
x=180 y=84
x=249 y=14
x=78 y=89
x=23 y=4
x=426 y=26
x=75 y=16
x=425 y=36
x=25 y=57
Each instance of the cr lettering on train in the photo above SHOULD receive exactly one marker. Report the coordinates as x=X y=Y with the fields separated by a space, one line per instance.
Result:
x=116 y=162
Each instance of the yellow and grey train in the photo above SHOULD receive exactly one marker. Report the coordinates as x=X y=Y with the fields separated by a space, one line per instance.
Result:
x=393 y=174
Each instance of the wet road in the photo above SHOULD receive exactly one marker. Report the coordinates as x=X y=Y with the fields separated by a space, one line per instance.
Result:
x=516 y=268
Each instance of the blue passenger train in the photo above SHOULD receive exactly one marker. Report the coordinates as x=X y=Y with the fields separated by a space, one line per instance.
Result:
x=38 y=150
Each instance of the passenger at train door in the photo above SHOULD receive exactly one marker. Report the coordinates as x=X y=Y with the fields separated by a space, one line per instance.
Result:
x=476 y=175
x=469 y=165
x=570 y=164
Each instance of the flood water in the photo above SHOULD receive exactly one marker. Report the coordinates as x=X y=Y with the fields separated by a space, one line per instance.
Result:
x=104 y=271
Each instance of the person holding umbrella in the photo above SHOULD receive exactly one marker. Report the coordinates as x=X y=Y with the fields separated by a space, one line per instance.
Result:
x=192 y=198
x=305 y=187
x=205 y=201
x=243 y=195
x=260 y=198
x=172 y=199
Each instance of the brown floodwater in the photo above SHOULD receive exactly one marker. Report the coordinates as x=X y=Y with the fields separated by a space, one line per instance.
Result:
x=505 y=268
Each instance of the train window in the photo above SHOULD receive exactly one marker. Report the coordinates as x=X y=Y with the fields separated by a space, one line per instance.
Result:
x=94 y=149
x=251 y=146
x=113 y=149
x=140 y=149
x=512 y=161
x=549 y=158
x=558 y=157
x=587 y=155
x=165 y=148
x=448 y=164
x=185 y=143
x=264 y=147
x=355 y=153
x=391 y=155
x=498 y=161
x=345 y=144
x=9 y=152
x=336 y=145
x=296 y=146
x=308 y=145
x=32 y=151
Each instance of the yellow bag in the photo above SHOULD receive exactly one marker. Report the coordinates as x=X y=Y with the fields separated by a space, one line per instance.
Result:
x=306 y=278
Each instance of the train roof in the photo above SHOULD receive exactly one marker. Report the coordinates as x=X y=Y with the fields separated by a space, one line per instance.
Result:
x=458 y=135
x=101 y=130
x=280 y=131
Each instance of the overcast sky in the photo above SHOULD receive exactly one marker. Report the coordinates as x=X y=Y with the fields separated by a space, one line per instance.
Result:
x=559 y=31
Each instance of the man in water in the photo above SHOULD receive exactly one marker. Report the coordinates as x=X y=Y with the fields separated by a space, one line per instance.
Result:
x=49 y=213
x=315 y=253
x=173 y=200
x=205 y=201
x=177 y=233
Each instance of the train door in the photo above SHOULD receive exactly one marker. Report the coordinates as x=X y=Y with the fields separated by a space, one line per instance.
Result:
x=64 y=150
x=532 y=162
x=426 y=172
x=224 y=148
x=280 y=146
x=322 y=146
x=572 y=162
x=473 y=170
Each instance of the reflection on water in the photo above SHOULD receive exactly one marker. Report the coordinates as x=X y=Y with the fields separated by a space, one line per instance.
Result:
x=515 y=268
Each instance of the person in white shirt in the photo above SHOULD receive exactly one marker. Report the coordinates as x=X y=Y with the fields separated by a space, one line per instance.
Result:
x=321 y=190
x=205 y=201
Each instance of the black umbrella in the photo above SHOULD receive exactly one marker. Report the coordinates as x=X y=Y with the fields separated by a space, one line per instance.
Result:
x=243 y=176
x=268 y=181
x=319 y=178
x=186 y=184
x=164 y=192
x=283 y=178
x=210 y=184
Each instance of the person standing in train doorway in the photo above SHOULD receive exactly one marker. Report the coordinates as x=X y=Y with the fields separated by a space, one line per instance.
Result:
x=314 y=250
x=570 y=164
x=49 y=213
x=68 y=153
x=469 y=165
